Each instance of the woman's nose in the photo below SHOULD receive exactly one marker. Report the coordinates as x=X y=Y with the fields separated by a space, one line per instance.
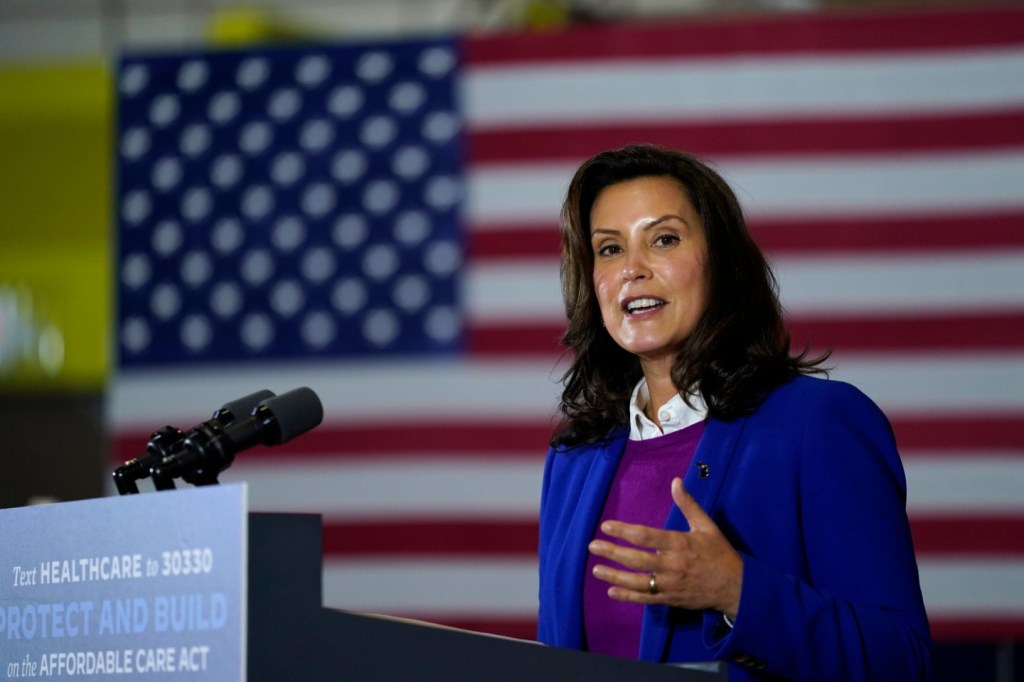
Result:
x=634 y=267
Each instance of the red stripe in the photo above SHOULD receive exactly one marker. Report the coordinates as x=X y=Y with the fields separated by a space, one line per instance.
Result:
x=886 y=234
x=528 y=439
x=508 y=241
x=956 y=432
x=956 y=332
x=883 y=234
x=976 y=535
x=976 y=629
x=523 y=339
x=961 y=332
x=811 y=136
x=483 y=439
x=993 y=535
x=940 y=332
x=762 y=35
x=426 y=537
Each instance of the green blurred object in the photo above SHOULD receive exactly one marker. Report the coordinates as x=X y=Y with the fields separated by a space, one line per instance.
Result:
x=55 y=227
x=243 y=26
x=546 y=14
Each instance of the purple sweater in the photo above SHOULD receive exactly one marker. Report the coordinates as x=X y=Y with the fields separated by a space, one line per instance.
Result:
x=640 y=494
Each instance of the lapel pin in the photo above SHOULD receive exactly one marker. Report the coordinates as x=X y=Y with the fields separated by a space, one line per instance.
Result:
x=703 y=470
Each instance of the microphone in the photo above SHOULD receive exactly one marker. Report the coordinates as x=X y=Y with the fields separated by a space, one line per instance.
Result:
x=210 y=448
x=169 y=439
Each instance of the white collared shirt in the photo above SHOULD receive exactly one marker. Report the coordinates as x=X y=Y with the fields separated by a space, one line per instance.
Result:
x=673 y=415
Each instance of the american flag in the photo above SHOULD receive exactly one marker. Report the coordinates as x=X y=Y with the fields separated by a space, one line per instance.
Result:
x=378 y=221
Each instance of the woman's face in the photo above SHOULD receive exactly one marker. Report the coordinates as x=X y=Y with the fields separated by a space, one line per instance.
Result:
x=649 y=273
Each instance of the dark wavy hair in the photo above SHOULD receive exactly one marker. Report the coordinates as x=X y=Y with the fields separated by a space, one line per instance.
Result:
x=739 y=349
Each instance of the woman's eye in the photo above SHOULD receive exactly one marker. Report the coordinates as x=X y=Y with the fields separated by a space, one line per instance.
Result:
x=608 y=250
x=666 y=239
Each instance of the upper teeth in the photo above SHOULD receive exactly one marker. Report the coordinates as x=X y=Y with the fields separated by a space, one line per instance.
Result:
x=642 y=303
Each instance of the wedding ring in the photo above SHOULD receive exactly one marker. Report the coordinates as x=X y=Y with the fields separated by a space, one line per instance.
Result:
x=652 y=586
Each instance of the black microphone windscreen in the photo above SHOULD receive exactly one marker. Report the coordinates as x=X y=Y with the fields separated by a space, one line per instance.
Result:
x=296 y=412
x=243 y=407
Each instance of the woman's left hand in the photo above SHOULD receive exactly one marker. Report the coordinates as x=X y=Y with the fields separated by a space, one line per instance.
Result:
x=697 y=569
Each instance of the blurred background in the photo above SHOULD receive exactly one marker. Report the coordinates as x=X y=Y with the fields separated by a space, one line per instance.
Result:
x=201 y=199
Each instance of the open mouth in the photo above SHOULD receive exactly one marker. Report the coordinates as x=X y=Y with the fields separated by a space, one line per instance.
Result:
x=646 y=304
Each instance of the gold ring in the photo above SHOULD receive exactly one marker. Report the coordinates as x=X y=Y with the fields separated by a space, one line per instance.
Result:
x=652 y=586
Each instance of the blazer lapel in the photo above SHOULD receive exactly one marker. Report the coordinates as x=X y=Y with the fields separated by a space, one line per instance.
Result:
x=703 y=480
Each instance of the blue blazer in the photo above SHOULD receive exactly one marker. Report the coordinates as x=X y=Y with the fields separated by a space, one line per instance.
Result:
x=810 y=490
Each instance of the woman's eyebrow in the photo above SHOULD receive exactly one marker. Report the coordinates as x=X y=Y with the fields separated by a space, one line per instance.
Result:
x=654 y=222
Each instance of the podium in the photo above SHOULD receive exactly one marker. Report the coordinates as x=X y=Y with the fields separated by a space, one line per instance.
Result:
x=118 y=604
x=347 y=646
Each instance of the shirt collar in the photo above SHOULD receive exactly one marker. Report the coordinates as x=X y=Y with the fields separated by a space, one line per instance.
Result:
x=674 y=415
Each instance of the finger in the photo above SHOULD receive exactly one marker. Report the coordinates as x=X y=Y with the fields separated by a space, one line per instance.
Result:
x=637 y=535
x=625 y=580
x=695 y=515
x=633 y=596
x=636 y=559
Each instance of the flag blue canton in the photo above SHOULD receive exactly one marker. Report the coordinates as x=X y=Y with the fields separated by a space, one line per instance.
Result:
x=289 y=203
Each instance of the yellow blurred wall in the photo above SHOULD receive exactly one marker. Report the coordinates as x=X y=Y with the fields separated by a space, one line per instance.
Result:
x=56 y=293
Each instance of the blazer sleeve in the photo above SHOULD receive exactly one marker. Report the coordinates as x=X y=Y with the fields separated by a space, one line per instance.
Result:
x=853 y=610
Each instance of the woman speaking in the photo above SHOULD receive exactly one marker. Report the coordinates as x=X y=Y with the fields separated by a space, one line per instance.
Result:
x=706 y=496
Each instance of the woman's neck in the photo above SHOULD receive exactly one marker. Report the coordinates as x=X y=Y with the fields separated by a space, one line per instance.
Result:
x=660 y=390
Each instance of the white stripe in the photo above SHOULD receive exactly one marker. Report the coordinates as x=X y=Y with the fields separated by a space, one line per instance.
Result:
x=907 y=385
x=529 y=192
x=957 y=587
x=388 y=487
x=902 y=384
x=738 y=88
x=350 y=391
x=414 y=586
x=975 y=281
x=953 y=587
x=508 y=291
x=964 y=483
x=955 y=183
x=506 y=486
